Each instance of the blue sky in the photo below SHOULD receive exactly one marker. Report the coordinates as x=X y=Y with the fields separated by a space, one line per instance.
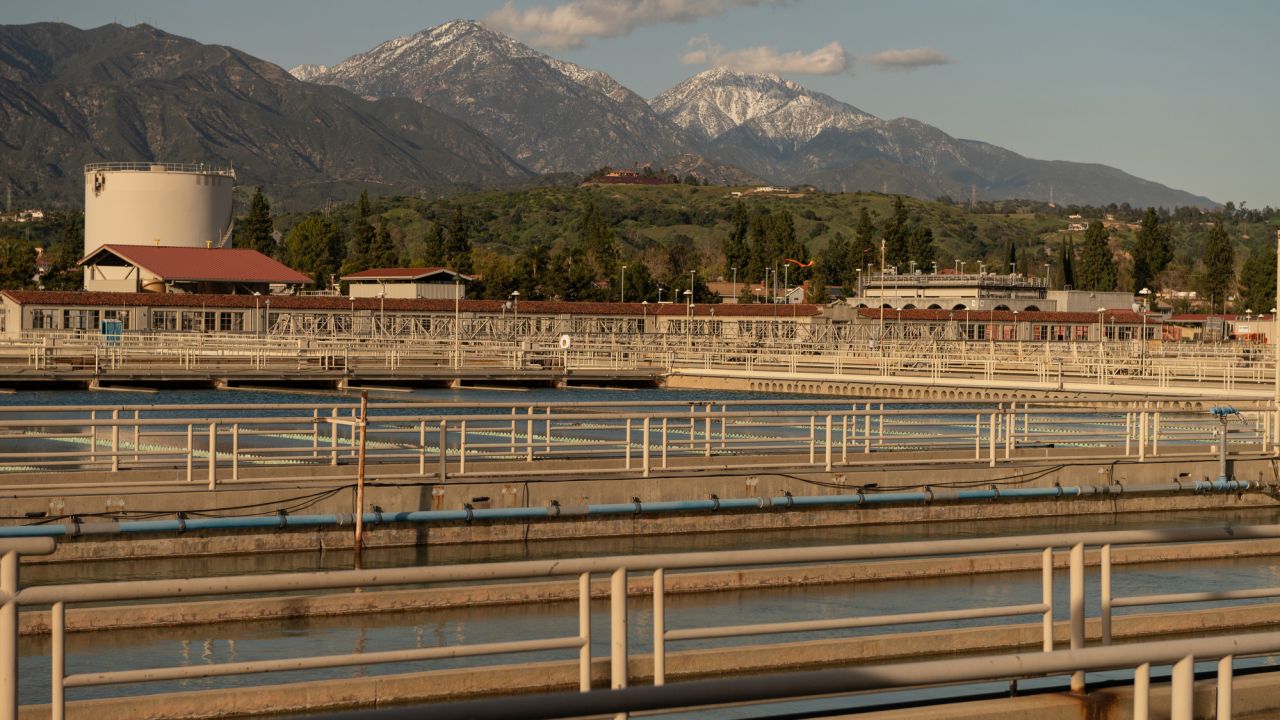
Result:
x=1183 y=93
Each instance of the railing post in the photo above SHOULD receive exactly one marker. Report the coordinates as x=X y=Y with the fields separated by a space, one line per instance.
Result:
x=547 y=434
x=584 y=632
x=444 y=450
x=115 y=441
x=992 y=432
x=513 y=431
x=813 y=438
x=462 y=447
x=1155 y=434
x=58 y=661
x=213 y=455
x=618 y=630
x=9 y=636
x=137 y=435
x=626 y=444
x=528 y=445
x=1077 y=610
x=1142 y=436
x=1183 y=689
x=315 y=434
x=706 y=432
x=1046 y=597
x=1128 y=433
x=826 y=446
x=1105 y=592
x=866 y=430
x=977 y=436
x=191 y=450
x=1142 y=692
x=1225 y=674
x=659 y=628
x=235 y=451
x=664 y=443
x=422 y=447
x=644 y=449
x=333 y=438
x=844 y=439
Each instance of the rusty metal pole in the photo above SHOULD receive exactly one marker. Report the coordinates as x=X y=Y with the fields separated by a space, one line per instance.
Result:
x=359 y=509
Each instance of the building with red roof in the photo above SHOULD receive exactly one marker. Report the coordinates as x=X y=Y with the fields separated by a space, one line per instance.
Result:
x=161 y=269
x=436 y=283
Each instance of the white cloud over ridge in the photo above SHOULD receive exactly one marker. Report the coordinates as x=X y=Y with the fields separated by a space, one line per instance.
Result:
x=902 y=60
x=830 y=59
x=567 y=26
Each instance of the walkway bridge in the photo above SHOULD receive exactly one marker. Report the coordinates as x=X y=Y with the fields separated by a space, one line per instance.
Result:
x=625 y=636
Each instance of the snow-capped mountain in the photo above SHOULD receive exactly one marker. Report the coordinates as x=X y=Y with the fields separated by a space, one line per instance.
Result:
x=549 y=114
x=718 y=100
x=787 y=133
x=308 y=72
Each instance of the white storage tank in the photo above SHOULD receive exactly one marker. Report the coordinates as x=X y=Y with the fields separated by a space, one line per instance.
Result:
x=166 y=204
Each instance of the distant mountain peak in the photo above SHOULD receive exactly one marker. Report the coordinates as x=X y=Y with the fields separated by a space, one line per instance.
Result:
x=718 y=100
x=308 y=72
x=549 y=114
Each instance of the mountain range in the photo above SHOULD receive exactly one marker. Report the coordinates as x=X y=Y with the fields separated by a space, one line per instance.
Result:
x=70 y=97
x=461 y=106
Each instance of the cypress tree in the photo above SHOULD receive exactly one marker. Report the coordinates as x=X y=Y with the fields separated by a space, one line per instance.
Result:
x=1219 y=267
x=896 y=245
x=1097 y=266
x=457 y=248
x=736 y=250
x=1066 y=260
x=314 y=246
x=382 y=252
x=920 y=244
x=1257 y=286
x=1152 y=252
x=254 y=231
x=864 y=251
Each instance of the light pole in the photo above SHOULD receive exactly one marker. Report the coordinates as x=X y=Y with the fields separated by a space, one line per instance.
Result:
x=382 y=314
x=457 y=319
x=660 y=289
x=786 y=283
x=257 y=316
x=735 y=284
x=352 y=329
x=267 y=326
x=688 y=314
x=1144 y=292
x=644 y=309
x=623 y=297
x=859 y=271
x=515 y=310
x=768 y=295
x=691 y=274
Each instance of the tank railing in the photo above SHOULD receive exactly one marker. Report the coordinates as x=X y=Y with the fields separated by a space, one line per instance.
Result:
x=620 y=570
x=158 y=166
x=220 y=447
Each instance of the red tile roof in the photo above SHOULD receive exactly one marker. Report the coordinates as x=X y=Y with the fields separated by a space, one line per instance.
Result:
x=338 y=304
x=399 y=273
x=204 y=264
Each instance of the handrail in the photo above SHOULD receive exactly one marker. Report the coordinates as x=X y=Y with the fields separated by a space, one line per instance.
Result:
x=619 y=568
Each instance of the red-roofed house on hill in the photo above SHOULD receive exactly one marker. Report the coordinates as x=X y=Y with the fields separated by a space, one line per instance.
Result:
x=435 y=283
x=161 y=269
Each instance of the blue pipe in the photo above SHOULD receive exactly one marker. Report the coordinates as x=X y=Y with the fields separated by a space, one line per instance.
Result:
x=929 y=495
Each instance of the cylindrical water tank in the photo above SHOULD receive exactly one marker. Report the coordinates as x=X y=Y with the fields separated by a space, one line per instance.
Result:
x=166 y=204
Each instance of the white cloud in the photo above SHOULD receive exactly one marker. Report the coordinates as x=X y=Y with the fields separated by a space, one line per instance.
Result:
x=912 y=59
x=830 y=59
x=568 y=25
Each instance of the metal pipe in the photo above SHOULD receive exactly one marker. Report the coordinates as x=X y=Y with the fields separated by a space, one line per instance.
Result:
x=463 y=515
x=9 y=635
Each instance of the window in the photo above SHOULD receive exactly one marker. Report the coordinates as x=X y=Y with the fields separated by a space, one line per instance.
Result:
x=44 y=319
x=231 y=322
x=80 y=319
x=164 y=320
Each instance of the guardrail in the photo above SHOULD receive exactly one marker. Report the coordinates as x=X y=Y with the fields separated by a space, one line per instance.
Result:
x=1040 y=365
x=222 y=444
x=619 y=569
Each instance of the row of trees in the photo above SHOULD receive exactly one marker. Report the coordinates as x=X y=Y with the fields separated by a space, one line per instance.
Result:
x=586 y=262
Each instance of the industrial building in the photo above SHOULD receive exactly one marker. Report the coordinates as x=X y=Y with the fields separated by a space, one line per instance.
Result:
x=429 y=282
x=948 y=290
x=138 y=268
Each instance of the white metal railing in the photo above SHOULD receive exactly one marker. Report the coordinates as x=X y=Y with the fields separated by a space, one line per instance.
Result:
x=619 y=569
x=233 y=443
